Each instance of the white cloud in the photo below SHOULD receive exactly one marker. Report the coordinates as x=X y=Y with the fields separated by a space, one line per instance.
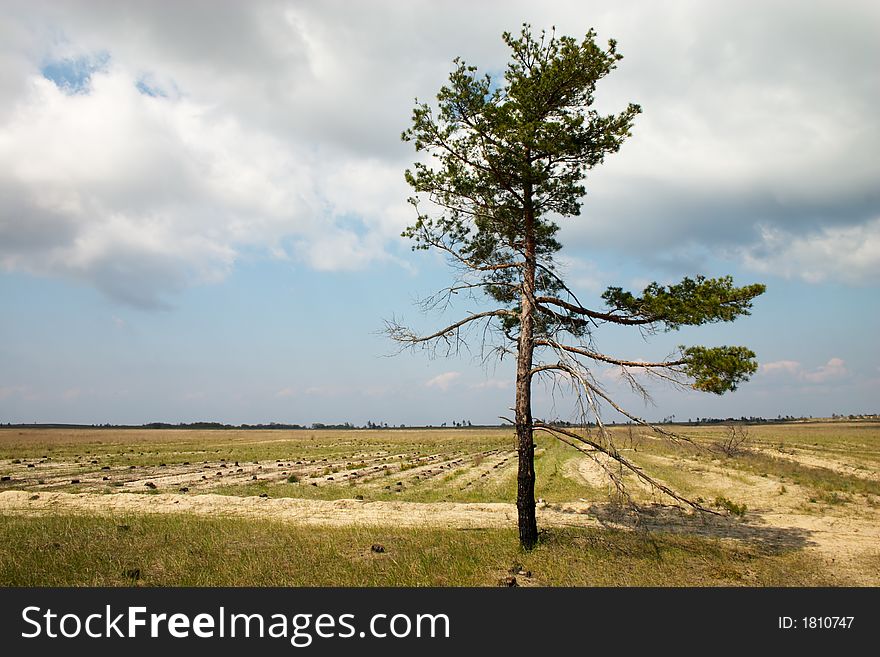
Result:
x=620 y=374
x=834 y=370
x=325 y=391
x=781 y=366
x=493 y=384
x=277 y=127
x=752 y=116
x=442 y=381
x=7 y=391
x=72 y=394
x=24 y=392
x=849 y=253
x=142 y=195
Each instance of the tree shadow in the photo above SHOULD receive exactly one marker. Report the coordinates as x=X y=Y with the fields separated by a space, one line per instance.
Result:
x=660 y=518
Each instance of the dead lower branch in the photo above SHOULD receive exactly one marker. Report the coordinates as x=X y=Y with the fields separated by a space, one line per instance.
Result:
x=612 y=453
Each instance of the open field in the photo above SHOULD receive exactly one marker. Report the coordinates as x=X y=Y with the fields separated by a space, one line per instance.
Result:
x=800 y=504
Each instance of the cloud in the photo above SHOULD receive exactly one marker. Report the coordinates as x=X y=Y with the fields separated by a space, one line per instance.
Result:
x=584 y=275
x=72 y=394
x=850 y=254
x=442 y=381
x=24 y=392
x=783 y=366
x=143 y=149
x=753 y=119
x=143 y=196
x=493 y=384
x=834 y=370
x=150 y=178
x=8 y=391
x=326 y=390
x=622 y=375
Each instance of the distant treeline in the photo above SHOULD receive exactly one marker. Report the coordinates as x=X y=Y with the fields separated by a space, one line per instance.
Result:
x=221 y=426
x=751 y=419
x=454 y=424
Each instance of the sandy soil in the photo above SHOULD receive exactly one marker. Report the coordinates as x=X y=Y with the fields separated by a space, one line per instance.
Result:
x=845 y=537
x=452 y=515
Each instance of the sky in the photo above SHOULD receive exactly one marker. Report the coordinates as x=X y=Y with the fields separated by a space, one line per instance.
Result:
x=201 y=205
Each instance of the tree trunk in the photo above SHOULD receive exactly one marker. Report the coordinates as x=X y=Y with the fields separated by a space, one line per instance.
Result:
x=525 y=481
x=525 y=488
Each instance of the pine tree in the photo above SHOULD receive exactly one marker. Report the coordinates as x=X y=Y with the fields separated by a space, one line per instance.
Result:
x=509 y=160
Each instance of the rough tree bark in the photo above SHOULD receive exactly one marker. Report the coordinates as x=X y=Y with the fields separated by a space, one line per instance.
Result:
x=525 y=488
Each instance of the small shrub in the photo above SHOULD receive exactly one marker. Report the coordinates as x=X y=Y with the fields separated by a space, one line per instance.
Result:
x=293 y=479
x=735 y=440
x=835 y=498
x=730 y=506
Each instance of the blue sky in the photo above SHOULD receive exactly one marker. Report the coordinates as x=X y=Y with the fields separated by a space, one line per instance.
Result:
x=200 y=206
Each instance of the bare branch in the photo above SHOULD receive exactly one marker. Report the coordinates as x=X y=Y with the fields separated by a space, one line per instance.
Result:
x=615 y=455
x=606 y=359
x=543 y=368
x=571 y=370
x=405 y=335
x=443 y=298
x=591 y=454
